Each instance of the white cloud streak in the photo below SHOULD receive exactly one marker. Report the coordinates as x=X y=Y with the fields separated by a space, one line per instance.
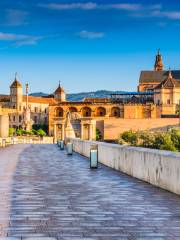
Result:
x=174 y=15
x=93 y=5
x=19 y=40
x=90 y=35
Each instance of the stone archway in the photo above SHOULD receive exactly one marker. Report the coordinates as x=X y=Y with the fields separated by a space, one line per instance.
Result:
x=86 y=111
x=100 y=112
x=115 y=112
x=59 y=112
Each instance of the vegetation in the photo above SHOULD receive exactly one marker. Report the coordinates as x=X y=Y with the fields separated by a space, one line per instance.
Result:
x=156 y=140
x=21 y=132
x=98 y=135
x=44 y=127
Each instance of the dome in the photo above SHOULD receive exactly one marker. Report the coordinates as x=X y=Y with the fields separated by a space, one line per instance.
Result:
x=59 y=90
x=16 y=84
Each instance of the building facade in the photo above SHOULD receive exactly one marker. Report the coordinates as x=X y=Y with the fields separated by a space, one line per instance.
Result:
x=158 y=96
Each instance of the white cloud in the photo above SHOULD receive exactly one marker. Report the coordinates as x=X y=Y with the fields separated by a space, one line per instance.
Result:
x=15 y=17
x=18 y=39
x=124 y=6
x=92 y=5
x=83 y=6
x=174 y=15
x=90 y=35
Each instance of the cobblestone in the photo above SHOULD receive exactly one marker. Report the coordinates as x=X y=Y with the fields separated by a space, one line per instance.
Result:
x=45 y=194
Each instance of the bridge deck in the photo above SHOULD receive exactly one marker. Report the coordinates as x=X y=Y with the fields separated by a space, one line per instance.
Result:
x=45 y=193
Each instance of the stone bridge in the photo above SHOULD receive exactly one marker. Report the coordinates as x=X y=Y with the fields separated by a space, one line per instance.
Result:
x=45 y=194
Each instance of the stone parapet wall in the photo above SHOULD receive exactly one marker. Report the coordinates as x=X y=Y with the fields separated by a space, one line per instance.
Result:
x=160 y=168
x=26 y=140
x=114 y=127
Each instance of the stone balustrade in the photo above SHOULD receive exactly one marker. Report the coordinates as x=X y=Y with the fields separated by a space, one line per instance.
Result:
x=160 y=168
x=25 y=140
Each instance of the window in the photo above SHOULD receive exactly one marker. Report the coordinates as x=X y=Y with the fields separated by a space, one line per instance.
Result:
x=35 y=119
x=168 y=101
x=45 y=119
x=20 y=118
x=158 y=102
x=14 y=118
x=36 y=109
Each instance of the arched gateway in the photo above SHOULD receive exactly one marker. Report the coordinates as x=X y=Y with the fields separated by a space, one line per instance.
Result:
x=74 y=125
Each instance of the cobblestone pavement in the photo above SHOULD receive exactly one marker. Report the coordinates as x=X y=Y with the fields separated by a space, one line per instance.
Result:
x=45 y=194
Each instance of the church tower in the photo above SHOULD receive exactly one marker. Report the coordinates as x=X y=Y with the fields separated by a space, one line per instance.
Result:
x=16 y=94
x=158 y=66
x=60 y=94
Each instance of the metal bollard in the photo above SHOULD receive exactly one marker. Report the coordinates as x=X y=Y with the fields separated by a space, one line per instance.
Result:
x=69 y=148
x=61 y=145
x=94 y=157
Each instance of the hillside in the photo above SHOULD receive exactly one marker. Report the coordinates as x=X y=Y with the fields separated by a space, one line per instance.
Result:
x=82 y=95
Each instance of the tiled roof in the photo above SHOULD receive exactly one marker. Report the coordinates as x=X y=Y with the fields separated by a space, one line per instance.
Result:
x=157 y=76
x=40 y=100
x=169 y=83
x=16 y=84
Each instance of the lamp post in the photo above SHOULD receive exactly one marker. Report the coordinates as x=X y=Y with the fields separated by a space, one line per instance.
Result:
x=69 y=148
x=94 y=157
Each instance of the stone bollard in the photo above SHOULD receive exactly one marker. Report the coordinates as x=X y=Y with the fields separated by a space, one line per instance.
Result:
x=69 y=148
x=94 y=157
x=3 y=142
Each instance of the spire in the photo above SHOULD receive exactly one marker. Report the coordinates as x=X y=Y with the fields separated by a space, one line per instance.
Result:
x=170 y=74
x=59 y=83
x=16 y=76
x=158 y=66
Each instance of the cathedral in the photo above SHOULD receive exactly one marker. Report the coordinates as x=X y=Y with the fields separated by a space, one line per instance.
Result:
x=158 y=97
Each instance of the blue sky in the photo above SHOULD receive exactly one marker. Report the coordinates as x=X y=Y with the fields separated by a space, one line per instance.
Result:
x=88 y=45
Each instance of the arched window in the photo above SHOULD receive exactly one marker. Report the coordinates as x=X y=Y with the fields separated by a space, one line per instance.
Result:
x=86 y=112
x=59 y=112
x=100 y=112
x=115 y=112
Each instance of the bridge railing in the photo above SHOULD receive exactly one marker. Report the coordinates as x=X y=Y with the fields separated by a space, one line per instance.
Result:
x=158 y=167
x=4 y=142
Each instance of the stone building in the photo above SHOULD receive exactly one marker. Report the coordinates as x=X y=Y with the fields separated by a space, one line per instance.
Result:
x=158 y=97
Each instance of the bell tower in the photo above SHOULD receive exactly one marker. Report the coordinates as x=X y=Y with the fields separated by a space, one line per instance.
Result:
x=158 y=66
x=60 y=94
x=16 y=94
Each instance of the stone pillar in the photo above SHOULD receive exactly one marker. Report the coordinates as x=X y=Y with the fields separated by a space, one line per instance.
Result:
x=82 y=131
x=63 y=131
x=55 y=137
x=4 y=126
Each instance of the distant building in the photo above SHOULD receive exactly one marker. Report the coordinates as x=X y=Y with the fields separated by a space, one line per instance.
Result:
x=158 y=97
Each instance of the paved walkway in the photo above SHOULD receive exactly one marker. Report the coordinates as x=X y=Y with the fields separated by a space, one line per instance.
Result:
x=45 y=194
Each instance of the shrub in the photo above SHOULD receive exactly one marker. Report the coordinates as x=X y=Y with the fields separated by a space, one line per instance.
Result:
x=20 y=132
x=175 y=137
x=41 y=133
x=12 y=131
x=163 y=141
x=130 y=137
x=98 y=135
x=44 y=127
x=147 y=139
